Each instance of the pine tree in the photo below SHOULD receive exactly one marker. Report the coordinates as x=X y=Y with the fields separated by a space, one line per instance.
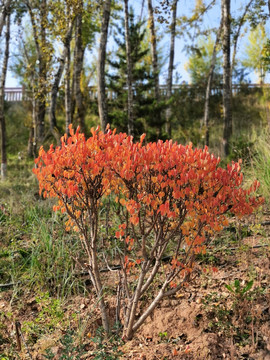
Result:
x=145 y=105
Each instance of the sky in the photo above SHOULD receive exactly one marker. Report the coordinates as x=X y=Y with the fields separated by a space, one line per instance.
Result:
x=211 y=20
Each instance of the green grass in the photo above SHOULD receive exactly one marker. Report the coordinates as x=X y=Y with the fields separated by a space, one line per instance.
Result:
x=259 y=164
x=35 y=248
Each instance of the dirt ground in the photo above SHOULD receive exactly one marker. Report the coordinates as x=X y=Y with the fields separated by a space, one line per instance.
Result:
x=203 y=321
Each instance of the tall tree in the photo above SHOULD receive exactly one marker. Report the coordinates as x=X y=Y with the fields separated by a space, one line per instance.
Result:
x=209 y=85
x=67 y=74
x=142 y=81
x=2 y=96
x=38 y=13
x=129 y=72
x=5 y=8
x=153 y=40
x=226 y=48
x=102 y=101
x=171 y=66
x=79 y=52
x=57 y=79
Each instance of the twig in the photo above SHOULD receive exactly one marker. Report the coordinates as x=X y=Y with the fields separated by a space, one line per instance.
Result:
x=8 y=285
x=118 y=299
x=18 y=339
x=19 y=336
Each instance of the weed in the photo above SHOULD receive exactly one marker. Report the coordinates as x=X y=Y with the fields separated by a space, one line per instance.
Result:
x=70 y=351
x=260 y=164
x=239 y=292
x=50 y=317
x=106 y=348
x=163 y=336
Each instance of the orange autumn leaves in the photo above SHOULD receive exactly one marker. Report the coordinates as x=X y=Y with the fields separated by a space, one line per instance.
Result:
x=163 y=186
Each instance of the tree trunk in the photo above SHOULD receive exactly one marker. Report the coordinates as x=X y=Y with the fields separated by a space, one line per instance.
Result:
x=41 y=46
x=170 y=69
x=208 y=87
x=226 y=47
x=153 y=47
x=2 y=97
x=153 y=41
x=78 y=68
x=55 y=87
x=67 y=89
x=32 y=142
x=142 y=7
x=42 y=78
x=4 y=13
x=102 y=101
x=129 y=73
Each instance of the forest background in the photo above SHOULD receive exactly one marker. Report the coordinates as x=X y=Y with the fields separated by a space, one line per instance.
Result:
x=99 y=62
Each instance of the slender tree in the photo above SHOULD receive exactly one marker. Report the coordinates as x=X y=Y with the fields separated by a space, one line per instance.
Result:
x=226 y=48
x=129 y=73
x=79 y=52
x=144 y=104
x=2 y=96
x=56 y=82
x=102 y=101
x=67 y=75
x=153 y=40
x=5 y=6
x=171 y=66
x=209 y=85
x=39 y=21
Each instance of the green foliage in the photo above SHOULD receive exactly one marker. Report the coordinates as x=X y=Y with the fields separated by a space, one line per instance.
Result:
x=199 y=62
x=163 y=336
x=254 y=52
x=70 y=350
x=146 y=107
x=260 y=163
x=107 y=348
x=50 y=316
x=239 y=291
x=50 y=262
x=218 y=314
x=35 y=251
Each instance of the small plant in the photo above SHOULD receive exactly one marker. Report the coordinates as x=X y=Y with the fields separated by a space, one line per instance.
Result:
x=218 y=313
x=48 y=319
x=107 y=348
x=163 y=336
x=70 y=351
x=239 y=291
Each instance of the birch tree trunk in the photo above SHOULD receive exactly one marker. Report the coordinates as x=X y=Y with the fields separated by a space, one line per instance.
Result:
x=209 y=84
x=170 y=68
x=2 y=97
x=102 y=101
x=153 y=41
x=152 y=29
x=226 y=48
x=6 y=7
x=129 y=73
x=78 y=68
x=32 y=141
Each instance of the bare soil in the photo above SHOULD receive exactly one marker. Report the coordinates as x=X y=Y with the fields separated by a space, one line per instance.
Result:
x=203 y=321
